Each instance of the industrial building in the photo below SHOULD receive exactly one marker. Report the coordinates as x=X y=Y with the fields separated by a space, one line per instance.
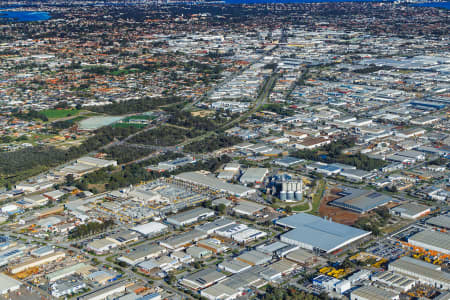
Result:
x=254 y=175
x=202 y=279
x=211 y=227
x=431 y=240
x=141 y=253
x=360 y=201
x=410 y=210
x=254 y=257
x=190 y=216
x=214 y=184
x=36 y=262
x=369 y=292
x=421 y=271
x=247 y=208
x=396 y=281
x=441 y=221
x=8 y=284
x=317 y=234
x=150 y=229
x=183 y=240
x=291 y=191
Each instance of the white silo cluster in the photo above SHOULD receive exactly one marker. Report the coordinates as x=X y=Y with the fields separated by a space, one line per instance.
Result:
x=291 y=191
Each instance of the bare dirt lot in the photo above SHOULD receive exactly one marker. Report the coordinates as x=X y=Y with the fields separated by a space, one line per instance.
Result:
x=337 y=214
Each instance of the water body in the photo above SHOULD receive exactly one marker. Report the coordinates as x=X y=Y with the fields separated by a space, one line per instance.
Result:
x=24 y=16
x=445 y=5
x=97 y=122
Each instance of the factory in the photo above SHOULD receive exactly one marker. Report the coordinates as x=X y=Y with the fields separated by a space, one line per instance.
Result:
x=213 y=183
x=369 y=292
x=36 y=262
x=317 y=234
x=291 y=191
x=410 y=210
x=441 y=221
x=202 y=279
x=254 y=175
x=8 y=284
x=150 y=229
x=431 y=240
x=190 y=216
x=421 y=271
x=360 y=201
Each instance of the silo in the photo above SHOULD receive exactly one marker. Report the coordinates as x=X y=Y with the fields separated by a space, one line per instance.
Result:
x=290 y=196
x=283 y=195
x=298 y=196
x=284 y=187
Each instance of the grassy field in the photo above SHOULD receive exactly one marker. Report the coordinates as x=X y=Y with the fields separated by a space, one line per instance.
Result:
x=317 y=198
x=60 y=113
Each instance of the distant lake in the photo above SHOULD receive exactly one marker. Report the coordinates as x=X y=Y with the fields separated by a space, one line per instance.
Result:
x=24 y=16
x=445 y=5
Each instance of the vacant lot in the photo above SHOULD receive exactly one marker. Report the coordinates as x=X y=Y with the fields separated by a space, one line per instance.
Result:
x=60 y=113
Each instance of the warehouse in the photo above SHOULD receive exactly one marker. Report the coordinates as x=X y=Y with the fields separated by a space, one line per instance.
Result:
x=421 y=271
x=360 y=201
x=314 y=233
x=214 y=184
x=410 y=210
x=141 y=253
x=233 y=266
x=8 y=284
x=202 y=279
x=248 y=235
x=442 y=221
x=211 y=227
x=220 y=291
x=181 y=241
x=248 y=208
x=150 y=229
x=190 y=216
x=101 y=246
x=369 y=292
x=36 y=262
x=254 y=175
x=230 y=230
x=213 y=245
x=431 y=240
x=74 y=269
x=254 y=257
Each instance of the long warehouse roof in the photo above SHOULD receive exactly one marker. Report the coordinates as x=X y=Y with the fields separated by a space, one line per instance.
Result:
x=214 y=183
x=320 y=233
x=432 y=238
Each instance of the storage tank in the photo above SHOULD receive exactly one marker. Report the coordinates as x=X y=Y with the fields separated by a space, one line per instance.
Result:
x=290 y=196
x=284 y=186
x=298 y=196
x=283 y=195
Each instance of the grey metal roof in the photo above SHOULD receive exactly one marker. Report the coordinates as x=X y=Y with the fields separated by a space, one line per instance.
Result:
x=424 y=269
x=374 y=293
x=440 y=221
x=319 y=233
x=214 y=183
x=189 y=215
x=432 y=238
x=360 y=200
x=410 y=208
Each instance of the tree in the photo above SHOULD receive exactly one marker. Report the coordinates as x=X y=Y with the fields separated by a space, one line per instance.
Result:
x=221 y=208
x=70 y=179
